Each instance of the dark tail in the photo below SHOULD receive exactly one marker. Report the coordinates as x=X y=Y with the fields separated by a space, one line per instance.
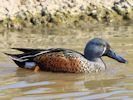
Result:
x=17 y=61
x=23 y=63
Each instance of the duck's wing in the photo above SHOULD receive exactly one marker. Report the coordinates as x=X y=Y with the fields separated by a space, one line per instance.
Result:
x=27 y=50
x=25 y=60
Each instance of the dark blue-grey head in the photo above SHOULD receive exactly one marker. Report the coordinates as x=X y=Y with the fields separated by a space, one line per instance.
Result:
x=96 y=48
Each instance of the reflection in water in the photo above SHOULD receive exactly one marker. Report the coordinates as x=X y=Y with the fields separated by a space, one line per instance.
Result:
x=101 y=84
x=46 y=85
x=22 y=84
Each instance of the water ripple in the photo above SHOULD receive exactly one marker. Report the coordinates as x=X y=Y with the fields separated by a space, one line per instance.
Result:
x=63 y=95
x=24 y=84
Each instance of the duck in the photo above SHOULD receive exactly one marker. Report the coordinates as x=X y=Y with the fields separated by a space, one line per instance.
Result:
x=67 y=60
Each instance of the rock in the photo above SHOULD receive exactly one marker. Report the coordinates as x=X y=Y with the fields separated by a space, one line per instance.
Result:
x=123 y=8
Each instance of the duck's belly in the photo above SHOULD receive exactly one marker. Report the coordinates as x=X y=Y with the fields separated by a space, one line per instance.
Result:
x=61 y=62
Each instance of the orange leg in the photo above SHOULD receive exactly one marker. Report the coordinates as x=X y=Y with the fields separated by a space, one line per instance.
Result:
x=37 y=69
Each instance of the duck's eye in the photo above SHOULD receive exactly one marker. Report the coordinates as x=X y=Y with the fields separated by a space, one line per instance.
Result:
x=102 y=45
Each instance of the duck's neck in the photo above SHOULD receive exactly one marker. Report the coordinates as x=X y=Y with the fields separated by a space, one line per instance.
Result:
x=96 y=60
x=92 y=57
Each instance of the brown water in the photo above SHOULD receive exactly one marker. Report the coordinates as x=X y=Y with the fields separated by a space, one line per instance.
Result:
x=114 y=84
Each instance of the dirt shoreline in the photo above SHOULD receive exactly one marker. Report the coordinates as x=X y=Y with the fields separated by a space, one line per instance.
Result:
x=27 y=13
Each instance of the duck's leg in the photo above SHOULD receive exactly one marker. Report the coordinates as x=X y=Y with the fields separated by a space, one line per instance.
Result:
x=37 y=69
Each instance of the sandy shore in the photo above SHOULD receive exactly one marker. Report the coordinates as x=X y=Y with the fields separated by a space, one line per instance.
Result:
x=24 y=13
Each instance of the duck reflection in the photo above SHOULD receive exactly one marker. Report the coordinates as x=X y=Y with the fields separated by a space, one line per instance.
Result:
x=28 y=84
x=66 y=82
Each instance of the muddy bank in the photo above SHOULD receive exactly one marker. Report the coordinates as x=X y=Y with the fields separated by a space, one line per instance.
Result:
x=27 y=13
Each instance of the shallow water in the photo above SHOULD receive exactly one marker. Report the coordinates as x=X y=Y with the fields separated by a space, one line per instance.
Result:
x=22 y=84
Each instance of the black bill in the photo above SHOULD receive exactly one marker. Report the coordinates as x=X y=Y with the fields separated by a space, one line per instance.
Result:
x=115 y=56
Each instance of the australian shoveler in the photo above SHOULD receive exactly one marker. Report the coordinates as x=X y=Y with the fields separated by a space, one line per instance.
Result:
x=66 y=60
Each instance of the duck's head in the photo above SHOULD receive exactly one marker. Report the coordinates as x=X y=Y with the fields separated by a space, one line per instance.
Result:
x=96 y=48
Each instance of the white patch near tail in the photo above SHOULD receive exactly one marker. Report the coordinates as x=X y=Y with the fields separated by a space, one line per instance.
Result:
x=29 y=65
